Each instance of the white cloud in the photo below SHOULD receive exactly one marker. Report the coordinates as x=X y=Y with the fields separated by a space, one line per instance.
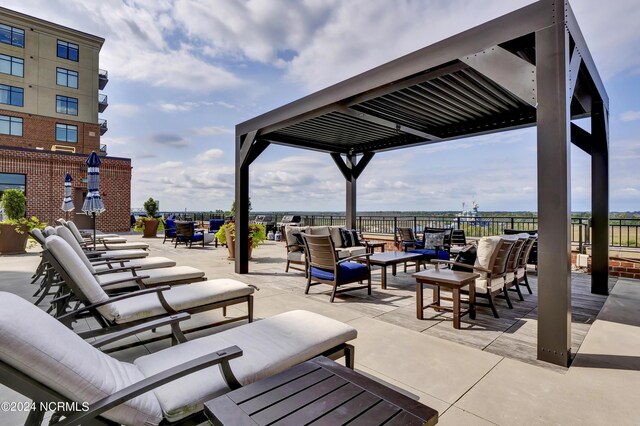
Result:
x=630 y=116
x=211 y=155
x=124 y=109
x=212 y=131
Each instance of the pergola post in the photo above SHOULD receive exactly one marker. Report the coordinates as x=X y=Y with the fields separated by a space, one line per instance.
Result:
x=350 y=215
x=554 y=194
x=248 y=148
x=351 y=169
x=600 y=199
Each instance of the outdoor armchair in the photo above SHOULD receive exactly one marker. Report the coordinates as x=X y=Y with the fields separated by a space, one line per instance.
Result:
x=325 y=267
x=408 y=239
x=46 y=362
x=491 y=264
x=521 y=271
x=129 y=309
x=187 y=235
x=169 y=230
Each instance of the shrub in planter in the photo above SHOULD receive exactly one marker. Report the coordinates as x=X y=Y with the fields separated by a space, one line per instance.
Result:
x=227 y=234
x=13 y=229
x=149 y=224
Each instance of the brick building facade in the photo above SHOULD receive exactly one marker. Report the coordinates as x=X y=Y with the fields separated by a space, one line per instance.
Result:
x=49 y=104
x=45 y=172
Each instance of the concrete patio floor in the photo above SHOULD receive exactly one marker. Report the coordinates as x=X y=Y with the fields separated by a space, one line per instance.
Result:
x=474 y=376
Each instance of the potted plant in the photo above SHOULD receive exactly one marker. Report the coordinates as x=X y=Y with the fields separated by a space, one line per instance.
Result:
x=227 y=235
x=149 y=224
x=13 y=229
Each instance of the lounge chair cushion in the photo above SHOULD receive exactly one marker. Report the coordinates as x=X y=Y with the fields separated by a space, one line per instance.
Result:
x=123 y=246
x=78 y=271
x=481 y=285
x=145 y=263
x=269 y=346
x=486 y=251
x=44 y=349
x=64 y=233
x=296 y=256
x=336 y=236
x=350 y=251
x=520 y=273
x=349 y=271
x=179 y=298
x=111 y=240
x=431 y=253
x=156 y=276
x=125 y=254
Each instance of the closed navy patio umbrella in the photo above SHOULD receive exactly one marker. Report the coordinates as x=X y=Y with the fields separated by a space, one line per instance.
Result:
x=93 y=203
x=67 y=202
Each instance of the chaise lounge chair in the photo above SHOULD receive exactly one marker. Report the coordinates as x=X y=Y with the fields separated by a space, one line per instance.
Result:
x=106 y=243
x=46 y=362
x=117 y=312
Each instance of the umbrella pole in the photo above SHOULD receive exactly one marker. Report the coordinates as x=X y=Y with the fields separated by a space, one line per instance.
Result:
x=94 y=230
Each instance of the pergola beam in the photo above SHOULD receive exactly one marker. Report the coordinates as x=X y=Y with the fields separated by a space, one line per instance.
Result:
x=351 y=168
x=386 y=123
x=514 y=74
x=600 y=199
x=581 y=138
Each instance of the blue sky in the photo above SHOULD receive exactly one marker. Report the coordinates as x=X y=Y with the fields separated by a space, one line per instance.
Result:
x=183 y=73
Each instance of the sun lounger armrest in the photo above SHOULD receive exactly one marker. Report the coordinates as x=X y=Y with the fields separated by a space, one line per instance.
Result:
x=114 y=337
x=71 y=314
x=119 y=269
x=220 y=358
x=136 y=278
x=346 y=259
x=92 y=253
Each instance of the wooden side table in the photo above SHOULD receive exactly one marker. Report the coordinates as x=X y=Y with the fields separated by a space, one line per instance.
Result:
x=452 y=280
x=318 y=392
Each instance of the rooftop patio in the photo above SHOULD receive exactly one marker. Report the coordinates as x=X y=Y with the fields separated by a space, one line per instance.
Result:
x=482 y=374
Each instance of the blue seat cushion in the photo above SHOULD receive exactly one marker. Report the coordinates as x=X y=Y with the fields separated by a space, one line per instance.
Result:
x=431 y=253
x=170 y=232
x=197 y=237
x=349 y=272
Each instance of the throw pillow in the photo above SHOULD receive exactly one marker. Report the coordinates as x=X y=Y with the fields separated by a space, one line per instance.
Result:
x=299 y=240
x=467 y=256
x=350 y=238
x=431 y=240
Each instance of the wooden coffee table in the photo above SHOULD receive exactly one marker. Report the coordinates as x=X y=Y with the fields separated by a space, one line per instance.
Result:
x=321 y=392
x=452 y=280
x=392 y=258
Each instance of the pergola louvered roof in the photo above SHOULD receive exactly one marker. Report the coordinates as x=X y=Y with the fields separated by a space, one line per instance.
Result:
x=480 y=81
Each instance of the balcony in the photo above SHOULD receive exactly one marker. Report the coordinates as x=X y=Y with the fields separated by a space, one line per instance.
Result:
x=102 y=102
x=103 y=78
x=103 y=126
x=103 y=149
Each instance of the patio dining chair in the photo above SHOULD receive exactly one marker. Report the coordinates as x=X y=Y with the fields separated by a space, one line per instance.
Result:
x=511 y=283
x=214 y=227
x=44 y=361
x=408 y=239
x=114 y=313
x=521 y=271
x=186 y=234
x=491 y=264
x=325 y=267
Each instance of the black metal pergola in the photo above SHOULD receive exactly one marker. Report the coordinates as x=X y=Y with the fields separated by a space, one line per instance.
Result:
x=530 y=67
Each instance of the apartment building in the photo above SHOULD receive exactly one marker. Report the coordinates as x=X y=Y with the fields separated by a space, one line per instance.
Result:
x=50 y=103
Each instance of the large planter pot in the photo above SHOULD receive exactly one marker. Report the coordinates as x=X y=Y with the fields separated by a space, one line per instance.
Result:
x=12 y=242
x=231 y=245
x=150 y=228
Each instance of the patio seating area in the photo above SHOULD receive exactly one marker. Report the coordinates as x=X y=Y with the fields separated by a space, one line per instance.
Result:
x=449 y=370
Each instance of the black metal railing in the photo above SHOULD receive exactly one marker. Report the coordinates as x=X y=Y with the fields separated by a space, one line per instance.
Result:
x=622 y=232
x=103 y=126
x=103 y=78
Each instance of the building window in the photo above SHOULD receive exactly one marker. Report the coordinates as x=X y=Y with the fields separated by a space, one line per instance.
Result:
x=12 y=66
x=12 y=181
x=66 y=78
x=10 y=125
x=66 y=133
x=11 y=95
x=68 y=50
x=11 y=35
x=66 y=105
